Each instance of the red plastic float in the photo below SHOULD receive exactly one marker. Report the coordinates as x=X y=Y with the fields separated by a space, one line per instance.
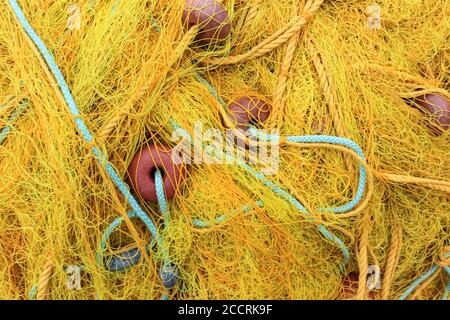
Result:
x=142 y=169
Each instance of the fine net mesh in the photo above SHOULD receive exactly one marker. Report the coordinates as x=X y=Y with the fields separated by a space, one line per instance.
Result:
x=134 y=69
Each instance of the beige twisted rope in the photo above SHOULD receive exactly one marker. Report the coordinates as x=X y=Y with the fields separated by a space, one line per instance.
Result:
x=392 y=261
x=429 y=183
x=247 y=20
x=279 y=97
x=362 y=257
x=328 y=90
x=274 y=41
x=44 y=281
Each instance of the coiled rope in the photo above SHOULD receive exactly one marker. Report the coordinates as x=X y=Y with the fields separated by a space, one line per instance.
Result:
x=279 y=191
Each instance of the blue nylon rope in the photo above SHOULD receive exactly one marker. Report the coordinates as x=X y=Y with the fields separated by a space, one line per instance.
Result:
x=426 y=276
x=308 y=139
x=161 y=198
x=286 y=196
x=418 y=281
x=79 y=122
x=133 y=256
x=165 y=297
x=201 y=224
x=162 y=203
x=33 y=292
x=330 y=140
x=16 y=114
x=446 y=294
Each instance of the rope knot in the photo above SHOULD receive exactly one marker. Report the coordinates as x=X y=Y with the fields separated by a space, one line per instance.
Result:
x=307 y=16
x=284 y=72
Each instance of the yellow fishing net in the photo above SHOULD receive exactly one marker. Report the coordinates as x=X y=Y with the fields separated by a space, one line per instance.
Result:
x=134 y=69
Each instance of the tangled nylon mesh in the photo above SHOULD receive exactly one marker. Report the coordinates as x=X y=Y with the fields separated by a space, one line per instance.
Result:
x=132 y=66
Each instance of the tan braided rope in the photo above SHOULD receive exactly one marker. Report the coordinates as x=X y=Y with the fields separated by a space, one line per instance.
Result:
x=391 y=261
x=279 y=97
x=329 y=93
x=362 y=256
x=274 y=41
x=247 y=20
x=403 y=179
x=44 y=281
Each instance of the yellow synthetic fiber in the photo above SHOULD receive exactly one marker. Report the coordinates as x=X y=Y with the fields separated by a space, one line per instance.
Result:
x=128 y=79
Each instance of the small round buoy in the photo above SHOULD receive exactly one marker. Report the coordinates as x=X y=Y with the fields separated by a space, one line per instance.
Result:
x=210 y=16
x=350 y=287
x=438 y=107
x=143 y=167
x=248 y=110
x=169 y=275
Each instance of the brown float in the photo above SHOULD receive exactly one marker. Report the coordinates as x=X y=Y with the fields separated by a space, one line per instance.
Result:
x=143 y=167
